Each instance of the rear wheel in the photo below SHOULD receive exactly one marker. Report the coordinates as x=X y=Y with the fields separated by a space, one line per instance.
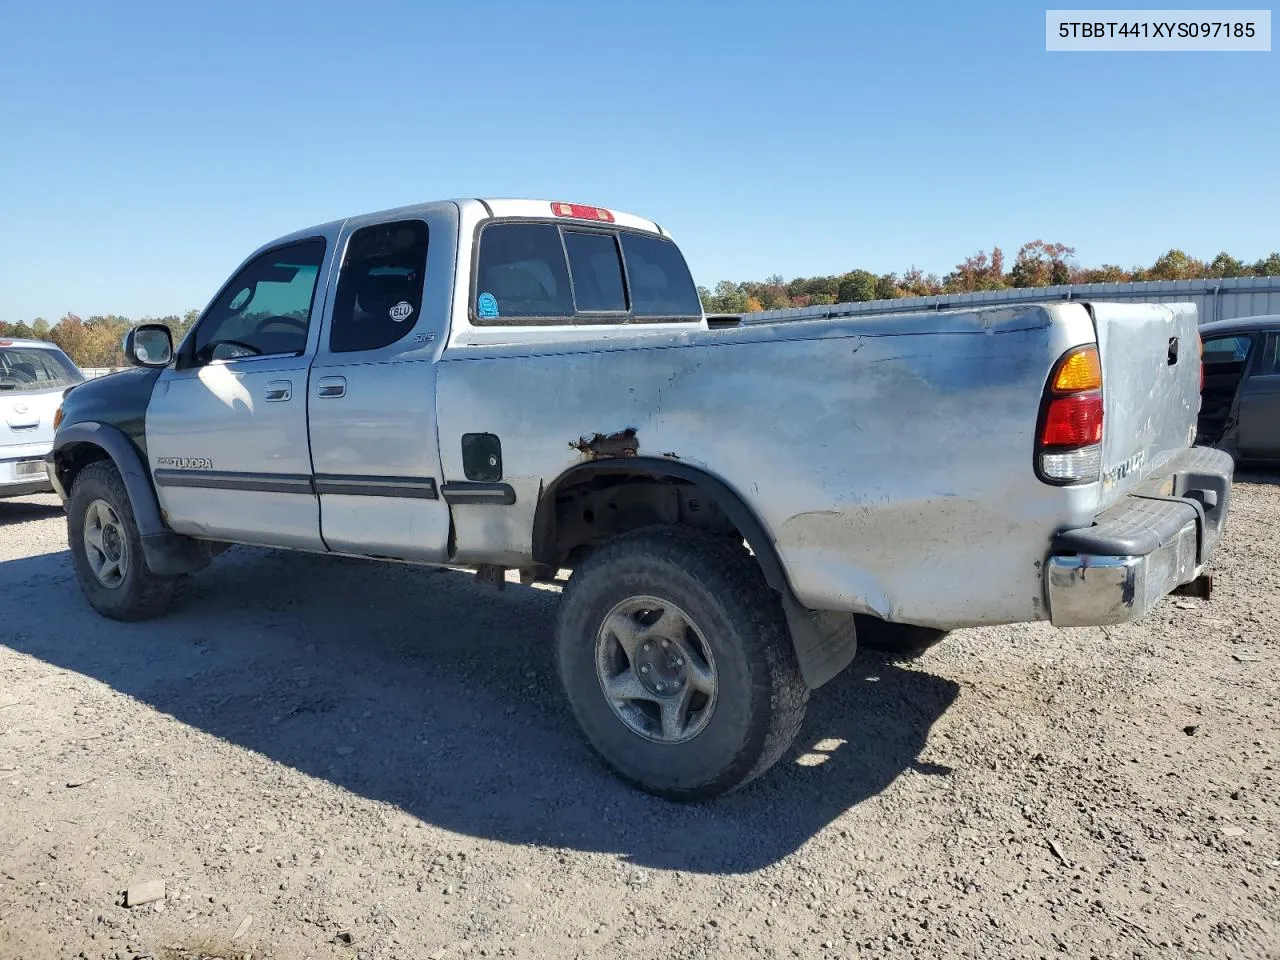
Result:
x=676 y=661
x=106 y=549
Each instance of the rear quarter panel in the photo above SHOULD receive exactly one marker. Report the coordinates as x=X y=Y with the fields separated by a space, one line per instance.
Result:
x=890 y=459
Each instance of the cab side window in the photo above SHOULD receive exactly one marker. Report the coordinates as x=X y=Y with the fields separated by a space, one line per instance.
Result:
x=266 y=309
x=1226 y=349
x=379 y=295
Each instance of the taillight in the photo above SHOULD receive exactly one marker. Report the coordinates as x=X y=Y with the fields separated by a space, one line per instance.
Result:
x=1074 y=421
x=1069 y=445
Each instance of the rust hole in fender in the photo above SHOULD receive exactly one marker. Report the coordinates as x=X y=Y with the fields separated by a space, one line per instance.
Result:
x=603 y=446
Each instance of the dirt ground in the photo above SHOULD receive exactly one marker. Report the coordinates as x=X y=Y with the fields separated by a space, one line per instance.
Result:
x=327 y=758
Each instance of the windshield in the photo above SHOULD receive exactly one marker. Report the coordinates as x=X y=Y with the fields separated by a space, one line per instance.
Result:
x=33 y=369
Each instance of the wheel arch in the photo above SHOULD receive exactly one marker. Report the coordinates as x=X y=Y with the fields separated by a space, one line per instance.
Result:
x=825 y=641
x=730 y=503
x=79 y=444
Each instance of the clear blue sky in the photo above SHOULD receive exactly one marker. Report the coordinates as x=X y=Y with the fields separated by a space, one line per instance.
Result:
x=145 y=149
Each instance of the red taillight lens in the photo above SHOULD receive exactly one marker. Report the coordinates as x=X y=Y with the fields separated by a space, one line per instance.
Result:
x=580 y=211
x=1073 y=421
x=1069 y=447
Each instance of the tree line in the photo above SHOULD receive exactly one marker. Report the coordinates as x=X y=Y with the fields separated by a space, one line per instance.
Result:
x=97 y=341
x=1037 y=264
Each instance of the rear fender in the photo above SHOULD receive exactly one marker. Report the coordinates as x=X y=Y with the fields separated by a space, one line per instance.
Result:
x=825 y=642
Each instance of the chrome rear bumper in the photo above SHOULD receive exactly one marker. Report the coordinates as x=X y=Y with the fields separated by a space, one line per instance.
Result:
x=1141 y=549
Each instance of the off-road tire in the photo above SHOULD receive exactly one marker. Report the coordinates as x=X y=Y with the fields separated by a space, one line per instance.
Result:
x=141 y=595
x=903 y=641
x=761 y=696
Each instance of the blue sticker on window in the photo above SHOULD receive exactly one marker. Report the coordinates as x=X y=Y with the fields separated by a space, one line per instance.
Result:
x=487 y=306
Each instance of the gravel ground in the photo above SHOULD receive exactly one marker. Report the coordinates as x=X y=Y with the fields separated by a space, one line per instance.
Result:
x=332 y=758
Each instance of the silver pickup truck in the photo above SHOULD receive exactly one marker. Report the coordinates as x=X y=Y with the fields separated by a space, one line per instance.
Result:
x=518 y=385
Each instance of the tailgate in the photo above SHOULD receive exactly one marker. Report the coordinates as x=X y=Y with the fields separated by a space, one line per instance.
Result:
x=1150 y=357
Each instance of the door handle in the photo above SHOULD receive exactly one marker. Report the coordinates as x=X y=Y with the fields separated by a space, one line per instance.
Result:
x=332 y=387
x=278 y=390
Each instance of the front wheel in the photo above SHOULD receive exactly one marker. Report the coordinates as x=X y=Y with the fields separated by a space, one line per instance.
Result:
x=676 y=661
x=106 y=549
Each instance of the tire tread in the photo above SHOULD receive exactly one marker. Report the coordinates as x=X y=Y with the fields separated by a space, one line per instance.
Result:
x=146 y=594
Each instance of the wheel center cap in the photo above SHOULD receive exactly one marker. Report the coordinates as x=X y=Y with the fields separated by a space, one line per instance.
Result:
x=661 y=666
x=111 y=543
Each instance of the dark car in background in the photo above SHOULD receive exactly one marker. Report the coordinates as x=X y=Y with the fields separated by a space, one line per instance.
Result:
x=1240 y=396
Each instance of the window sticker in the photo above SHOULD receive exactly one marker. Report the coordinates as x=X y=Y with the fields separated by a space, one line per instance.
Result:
x=487 y=306
x=402 y=311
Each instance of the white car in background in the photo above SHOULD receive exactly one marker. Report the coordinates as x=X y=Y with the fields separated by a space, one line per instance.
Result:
x=33 y=376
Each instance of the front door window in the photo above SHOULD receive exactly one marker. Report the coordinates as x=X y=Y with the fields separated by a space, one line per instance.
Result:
x=265 y=310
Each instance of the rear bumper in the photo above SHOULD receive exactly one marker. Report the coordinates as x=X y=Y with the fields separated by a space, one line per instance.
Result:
x=25 y=473
x=1145 y=546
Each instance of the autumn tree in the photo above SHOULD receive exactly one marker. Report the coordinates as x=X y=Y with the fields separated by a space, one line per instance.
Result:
x=822 y=287
x=17 y=331
x=915 y=283
x=1176 y=265
x=772 y=293
x=978 y=272
x=728 y=298
x=1041 y=264
x=857 y=285
x=1268 y=266
x=1107 y=273
x=72 y=337
x=1225 y=265
x=106 y=338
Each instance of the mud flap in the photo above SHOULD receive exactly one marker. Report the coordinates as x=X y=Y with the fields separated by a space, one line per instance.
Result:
x=825 y=641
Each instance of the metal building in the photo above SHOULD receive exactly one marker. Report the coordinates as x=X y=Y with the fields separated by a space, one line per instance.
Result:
x=1214 y=299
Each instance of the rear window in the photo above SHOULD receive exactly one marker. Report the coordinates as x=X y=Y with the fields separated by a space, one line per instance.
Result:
x=32 y=369
x=522 y=273
x=661 y=285
x=538 y=273
x=597 y=272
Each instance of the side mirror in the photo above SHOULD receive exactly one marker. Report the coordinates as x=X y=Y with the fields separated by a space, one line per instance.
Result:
x=149 y=345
